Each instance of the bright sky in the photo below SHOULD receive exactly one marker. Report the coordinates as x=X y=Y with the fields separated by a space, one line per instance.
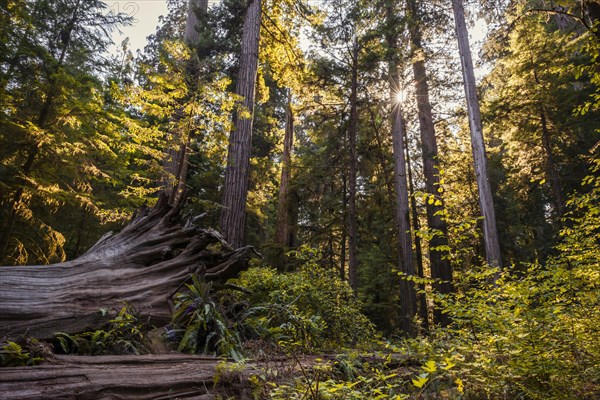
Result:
x=146 y=12
x=145 y=15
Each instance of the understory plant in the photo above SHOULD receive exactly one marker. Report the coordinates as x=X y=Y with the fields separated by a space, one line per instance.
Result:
x=308 y=309
x=27 y=352
x=123 y=335
x=379 y=378
x=530 y=331
x=199 y=324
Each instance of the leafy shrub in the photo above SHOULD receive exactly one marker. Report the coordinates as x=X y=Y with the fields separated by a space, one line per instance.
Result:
x=12 y=354
x=124 y=335
x=199 y=326
x=311 y=308
x=375 y=379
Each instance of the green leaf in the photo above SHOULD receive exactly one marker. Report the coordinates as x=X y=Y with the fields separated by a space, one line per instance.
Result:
x=430 y=366
x=420 y=382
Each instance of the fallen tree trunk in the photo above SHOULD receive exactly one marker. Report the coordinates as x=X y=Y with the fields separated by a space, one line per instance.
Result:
x=143 y=265
x=163 y=376
x=168 y=376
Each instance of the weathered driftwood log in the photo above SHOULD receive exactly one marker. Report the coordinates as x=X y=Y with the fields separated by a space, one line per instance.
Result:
x=165 y=376
x=142 y=265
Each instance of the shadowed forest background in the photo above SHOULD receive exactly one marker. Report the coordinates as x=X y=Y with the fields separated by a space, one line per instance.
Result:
x=399 y=205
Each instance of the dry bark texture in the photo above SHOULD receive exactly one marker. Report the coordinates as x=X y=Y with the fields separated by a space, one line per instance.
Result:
x=285 y=229
x=237 y=175
x=172 y=376
x=353 y=172
x=165 y=376
x=441 y=270
x=486 y=202
x=143 y=265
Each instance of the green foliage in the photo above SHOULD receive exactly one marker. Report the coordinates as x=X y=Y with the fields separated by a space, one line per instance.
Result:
x=13 y=355
x=199 y=325
x=124 y=335
x=379 y=379
x=531 y=331
x=68 y=143
x=309 y=309
x=540 y=120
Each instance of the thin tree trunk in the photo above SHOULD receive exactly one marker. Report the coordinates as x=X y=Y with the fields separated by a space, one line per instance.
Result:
x=237 y=175
x=551 y=171
x=407 y=294
x=344 y=231
x=284 y=213
x=408 y=302
x=176 y=162
x=352 y=132
x=486 y=202
x=382 y=159
x=191 y=33
x=441 y=271
x=421 y=297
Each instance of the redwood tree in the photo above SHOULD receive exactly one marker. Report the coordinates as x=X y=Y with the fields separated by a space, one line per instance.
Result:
x=486 y=203
x=441 y=270
x=353 y=171
x=284 y=230
x=405 y=256
x=235 y=190
x=176 y=163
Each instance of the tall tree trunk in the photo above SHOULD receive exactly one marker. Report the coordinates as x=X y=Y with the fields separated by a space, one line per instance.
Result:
x=176 y=162
x=237 y=175
x=352 y=173
x=408 y=302
x=407 y=294
x=441 y=270
x=283 y=232
x=421 y=297
x=344 y=238
x=191 y=33
x=486 y=202
x=551 y=171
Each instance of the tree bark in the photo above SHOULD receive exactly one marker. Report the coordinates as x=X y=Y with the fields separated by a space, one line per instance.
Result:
x=352 y=173
x=237 y=175
x=421 y=297
x=486 y=202
x=172 y=376
x=407 y=290
x=551 y=170
x=146 y=377
x=176 y=162
x=143 y=265
x=441 y=271
x=284 y=232
x=408 y=302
